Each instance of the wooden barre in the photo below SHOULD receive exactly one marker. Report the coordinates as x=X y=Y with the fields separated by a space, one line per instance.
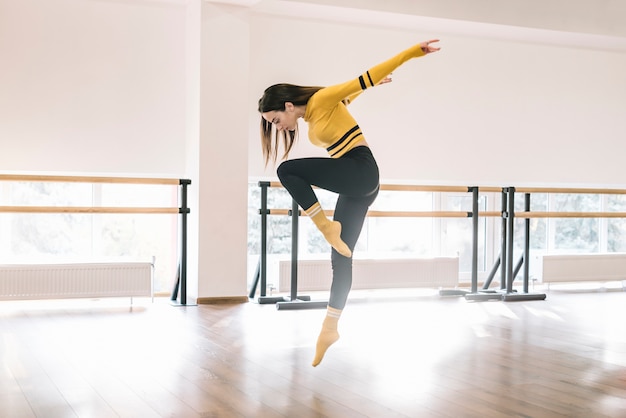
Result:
x=413 y=214
x=77 y=209
x=570 y=214
x=89 y=179
x=568 y=190
x=415 y=188
x=464 y=189
x=461 y=214
x=401 y=214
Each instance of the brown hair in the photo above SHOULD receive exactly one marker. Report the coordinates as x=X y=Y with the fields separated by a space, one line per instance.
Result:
x=274 y=99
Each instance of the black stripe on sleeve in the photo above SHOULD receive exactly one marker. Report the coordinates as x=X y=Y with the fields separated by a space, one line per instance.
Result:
x=370 y=78
x=362 y=81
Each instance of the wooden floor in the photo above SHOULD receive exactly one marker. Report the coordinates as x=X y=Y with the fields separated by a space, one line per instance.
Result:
x=411 y=356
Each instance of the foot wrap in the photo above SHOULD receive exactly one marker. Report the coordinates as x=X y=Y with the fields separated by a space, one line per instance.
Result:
x=328 y=336
x=330 y=229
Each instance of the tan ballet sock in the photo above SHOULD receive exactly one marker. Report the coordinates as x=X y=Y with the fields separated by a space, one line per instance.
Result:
x=328 y=336
x=330 y=229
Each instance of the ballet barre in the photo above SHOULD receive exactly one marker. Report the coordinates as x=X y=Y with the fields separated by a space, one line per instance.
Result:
x=294 y=300
x=527 y=214
x=183 y=210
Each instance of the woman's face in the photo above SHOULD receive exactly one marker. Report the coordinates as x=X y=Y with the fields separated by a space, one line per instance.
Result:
x=283 y=120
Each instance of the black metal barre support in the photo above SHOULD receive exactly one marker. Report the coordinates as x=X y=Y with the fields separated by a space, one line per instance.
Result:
x=525 y=295
x=474 y=283
x=474 y=293
x=263 y=257
x=503 y=240
x=181 y=280
x=475 y=197
x=509 y=270
x=261 y=272
x=526 y=242
x=485 y=293
x=492 y=274
x=295 y=301
x=510 y=235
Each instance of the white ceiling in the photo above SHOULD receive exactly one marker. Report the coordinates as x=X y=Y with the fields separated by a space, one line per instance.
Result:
x=586 y=23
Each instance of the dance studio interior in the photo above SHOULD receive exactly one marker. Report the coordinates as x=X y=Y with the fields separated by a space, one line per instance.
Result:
x=153 y=263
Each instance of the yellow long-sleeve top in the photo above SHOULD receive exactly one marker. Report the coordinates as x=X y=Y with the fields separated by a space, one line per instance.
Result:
x=331 y=126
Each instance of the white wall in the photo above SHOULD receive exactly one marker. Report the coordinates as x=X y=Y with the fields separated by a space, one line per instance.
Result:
x=92 y=86
x=170 y=87
x=482 y=111
x=106 y=81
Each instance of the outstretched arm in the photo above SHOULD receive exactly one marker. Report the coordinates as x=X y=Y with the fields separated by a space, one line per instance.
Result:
x=378 y=74
x=427 y=48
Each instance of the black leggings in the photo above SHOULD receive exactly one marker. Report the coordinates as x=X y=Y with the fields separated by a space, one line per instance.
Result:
x=354 y=176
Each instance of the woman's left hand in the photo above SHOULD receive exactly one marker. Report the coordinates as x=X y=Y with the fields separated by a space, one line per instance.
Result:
x=428 y=48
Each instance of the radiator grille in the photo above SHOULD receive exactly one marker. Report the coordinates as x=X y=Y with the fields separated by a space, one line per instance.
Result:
x=583 y=267
x=433 y=272
x=60 y=281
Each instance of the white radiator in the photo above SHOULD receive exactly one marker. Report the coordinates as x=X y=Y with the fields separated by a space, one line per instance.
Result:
x=584 y=267
x=434 y=272
x=75 y=280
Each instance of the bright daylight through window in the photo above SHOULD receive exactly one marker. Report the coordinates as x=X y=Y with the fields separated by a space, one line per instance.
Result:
x=71 y=237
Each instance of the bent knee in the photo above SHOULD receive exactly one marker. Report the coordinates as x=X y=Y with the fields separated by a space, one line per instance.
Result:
x=283 y=170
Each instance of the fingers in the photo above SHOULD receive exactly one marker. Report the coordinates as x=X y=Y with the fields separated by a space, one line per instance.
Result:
x=428 y=48
x=433 y=47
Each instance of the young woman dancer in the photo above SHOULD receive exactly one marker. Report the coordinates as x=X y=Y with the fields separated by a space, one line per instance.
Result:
x=351 y=170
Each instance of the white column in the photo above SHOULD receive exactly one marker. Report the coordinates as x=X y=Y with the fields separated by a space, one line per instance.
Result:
x=217 y=150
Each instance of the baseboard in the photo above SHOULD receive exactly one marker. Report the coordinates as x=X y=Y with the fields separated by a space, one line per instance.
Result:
x=224 y=300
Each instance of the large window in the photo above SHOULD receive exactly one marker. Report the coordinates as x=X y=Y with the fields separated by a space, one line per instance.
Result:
x=573 y=235
x=72 y=237
x=388 y=237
